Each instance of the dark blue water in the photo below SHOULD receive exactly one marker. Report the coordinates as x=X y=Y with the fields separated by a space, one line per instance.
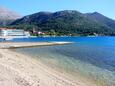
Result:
x=92 y=56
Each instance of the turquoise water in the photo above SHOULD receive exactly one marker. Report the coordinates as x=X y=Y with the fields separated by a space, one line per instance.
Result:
x=93 y=57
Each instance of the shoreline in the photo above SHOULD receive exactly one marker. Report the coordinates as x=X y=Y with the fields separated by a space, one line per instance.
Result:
x=12 y=45
x=17 y=69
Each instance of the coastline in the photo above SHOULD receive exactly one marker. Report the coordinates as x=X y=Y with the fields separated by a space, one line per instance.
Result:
x=20 y=70
x=12 y=45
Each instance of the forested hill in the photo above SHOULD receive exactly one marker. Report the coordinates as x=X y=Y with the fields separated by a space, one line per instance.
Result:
x=67 y=22
x=97 y=17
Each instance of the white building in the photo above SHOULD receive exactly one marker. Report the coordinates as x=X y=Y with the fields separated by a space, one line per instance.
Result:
x=13 y=32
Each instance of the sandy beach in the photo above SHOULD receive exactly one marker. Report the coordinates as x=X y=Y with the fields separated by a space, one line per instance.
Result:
x=19 y=70
x=9 y=45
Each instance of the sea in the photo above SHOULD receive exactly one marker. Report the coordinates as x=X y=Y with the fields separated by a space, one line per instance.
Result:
x=92 y=57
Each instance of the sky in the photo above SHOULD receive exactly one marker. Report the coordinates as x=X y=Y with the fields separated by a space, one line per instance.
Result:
x=26 y=7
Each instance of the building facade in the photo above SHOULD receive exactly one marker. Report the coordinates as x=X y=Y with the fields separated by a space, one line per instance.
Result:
x=13 y=32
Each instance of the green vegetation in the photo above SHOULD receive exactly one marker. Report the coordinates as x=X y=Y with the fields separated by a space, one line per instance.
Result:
x=70 y=23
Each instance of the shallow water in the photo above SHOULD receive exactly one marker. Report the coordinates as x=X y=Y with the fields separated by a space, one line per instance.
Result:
x=93 y=57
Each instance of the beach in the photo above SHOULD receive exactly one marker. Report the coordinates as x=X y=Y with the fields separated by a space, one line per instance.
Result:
x=20 y=70
x=10 y=45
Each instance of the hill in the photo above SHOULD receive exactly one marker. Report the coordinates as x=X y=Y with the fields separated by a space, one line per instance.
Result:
x=7 y=16
x=97 y=17
x=67 y=22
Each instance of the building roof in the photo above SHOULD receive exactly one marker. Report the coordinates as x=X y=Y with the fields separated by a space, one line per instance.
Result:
x=6 y=28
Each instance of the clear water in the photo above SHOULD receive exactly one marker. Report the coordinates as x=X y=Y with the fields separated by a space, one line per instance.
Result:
x=93 y=57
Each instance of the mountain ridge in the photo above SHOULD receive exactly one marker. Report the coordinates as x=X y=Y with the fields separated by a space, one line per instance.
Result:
x=7 y=16
x=66 y=22
x=100 y=18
